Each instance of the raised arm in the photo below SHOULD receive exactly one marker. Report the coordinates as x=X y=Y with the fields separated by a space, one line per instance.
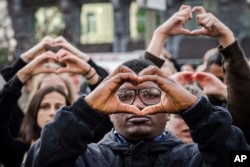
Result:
x=100 y=73
x=210 y=126
x=26 y=57
x=237 y=71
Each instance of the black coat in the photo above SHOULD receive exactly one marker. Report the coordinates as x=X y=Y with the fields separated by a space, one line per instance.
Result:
x=64 y=141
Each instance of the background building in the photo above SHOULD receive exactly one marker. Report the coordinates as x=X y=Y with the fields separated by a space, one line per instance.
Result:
x=107 y=29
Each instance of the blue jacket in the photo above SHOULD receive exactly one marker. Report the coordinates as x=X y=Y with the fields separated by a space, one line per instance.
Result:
x=64 y=141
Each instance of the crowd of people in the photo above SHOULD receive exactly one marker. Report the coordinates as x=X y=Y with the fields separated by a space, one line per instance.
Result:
x=60 y=108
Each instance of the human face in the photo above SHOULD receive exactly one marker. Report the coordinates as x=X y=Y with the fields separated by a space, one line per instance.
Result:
x=217 y=71
x=76 y=81
x=55 y=80
x=48 y=107
x=179 y=128
x=136 y=128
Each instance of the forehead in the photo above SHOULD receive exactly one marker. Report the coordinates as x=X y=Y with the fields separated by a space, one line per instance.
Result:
x=128 y=85
x=54 y=97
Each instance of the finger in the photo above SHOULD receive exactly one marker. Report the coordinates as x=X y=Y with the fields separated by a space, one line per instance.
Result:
x=47 y=55
x=60 y=39
x=63 y=53
x=46 y=42
x=152 y=70
x=154 y=109
x=202 y=31
x=188 y=11
x=184 y=77
x=121 y=69
x=48 y=39
x=183 y=7
x=181 y=19
x=210 y=25
x=184 y=16
x=41 y=46
x=121 y=78
x=129 y=109
x=160 y=81
x=199 y=9
x=204 y=21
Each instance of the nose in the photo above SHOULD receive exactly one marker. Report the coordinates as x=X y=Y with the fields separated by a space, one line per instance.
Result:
x=52 y=111
x=138 y=103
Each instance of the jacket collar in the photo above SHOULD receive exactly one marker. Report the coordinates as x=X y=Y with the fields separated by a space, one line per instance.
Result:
x=167 y=141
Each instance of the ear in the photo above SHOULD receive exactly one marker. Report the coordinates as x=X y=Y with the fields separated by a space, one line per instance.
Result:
x=111 y=117
x=168 y=116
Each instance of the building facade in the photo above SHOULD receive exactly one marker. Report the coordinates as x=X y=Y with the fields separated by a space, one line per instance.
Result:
x=119 y=25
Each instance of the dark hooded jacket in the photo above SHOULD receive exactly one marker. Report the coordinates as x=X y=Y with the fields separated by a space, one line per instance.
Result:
x=64 y=141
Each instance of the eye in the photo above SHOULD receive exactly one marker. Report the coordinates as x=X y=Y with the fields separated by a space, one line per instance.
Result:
x=45 y=106
x=58 y=106
x=150 y=93
x=124 y=95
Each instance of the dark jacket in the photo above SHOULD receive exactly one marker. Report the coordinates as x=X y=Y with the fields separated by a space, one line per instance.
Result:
x=12 y=149
x=237 y=74
x=17 y=113
x=64 y=141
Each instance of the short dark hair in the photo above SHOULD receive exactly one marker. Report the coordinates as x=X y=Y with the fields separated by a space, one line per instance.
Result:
x=137 y=65
x=216 y=58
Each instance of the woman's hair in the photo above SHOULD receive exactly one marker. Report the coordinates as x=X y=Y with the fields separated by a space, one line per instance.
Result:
x=30 y=129
x=64 y=77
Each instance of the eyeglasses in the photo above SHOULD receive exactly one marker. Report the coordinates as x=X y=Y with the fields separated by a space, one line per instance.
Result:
x=149 y=96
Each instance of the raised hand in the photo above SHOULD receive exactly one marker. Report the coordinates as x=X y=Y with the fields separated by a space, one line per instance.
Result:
x=183 y=77
x=212 y=26
x=175 y=98
x=173 y=26
x=73 y=64
x=36 y=50
x=37 y=66
x=104 y=99
x=62 y=42
x=210 y=84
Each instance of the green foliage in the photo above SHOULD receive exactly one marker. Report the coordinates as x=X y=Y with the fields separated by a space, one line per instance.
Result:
x=3 y=57
x=48 y=21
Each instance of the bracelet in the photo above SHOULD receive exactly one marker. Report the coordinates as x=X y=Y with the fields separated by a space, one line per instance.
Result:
x=88 y=71
x=91 y=76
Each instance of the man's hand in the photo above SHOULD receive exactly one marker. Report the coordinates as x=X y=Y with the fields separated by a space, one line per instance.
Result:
x=175 y=98
x=104 y=98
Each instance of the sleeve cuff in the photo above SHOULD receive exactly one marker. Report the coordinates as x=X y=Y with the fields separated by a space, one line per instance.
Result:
x=156 y=60
x=198 y=112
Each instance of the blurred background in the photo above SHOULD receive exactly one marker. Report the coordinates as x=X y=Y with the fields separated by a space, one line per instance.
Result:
x=112 y=31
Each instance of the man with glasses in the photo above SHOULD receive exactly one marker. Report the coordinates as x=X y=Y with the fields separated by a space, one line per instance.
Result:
x=138 y=97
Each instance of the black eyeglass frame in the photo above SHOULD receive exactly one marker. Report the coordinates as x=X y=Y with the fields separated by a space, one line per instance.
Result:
x=137 y=93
